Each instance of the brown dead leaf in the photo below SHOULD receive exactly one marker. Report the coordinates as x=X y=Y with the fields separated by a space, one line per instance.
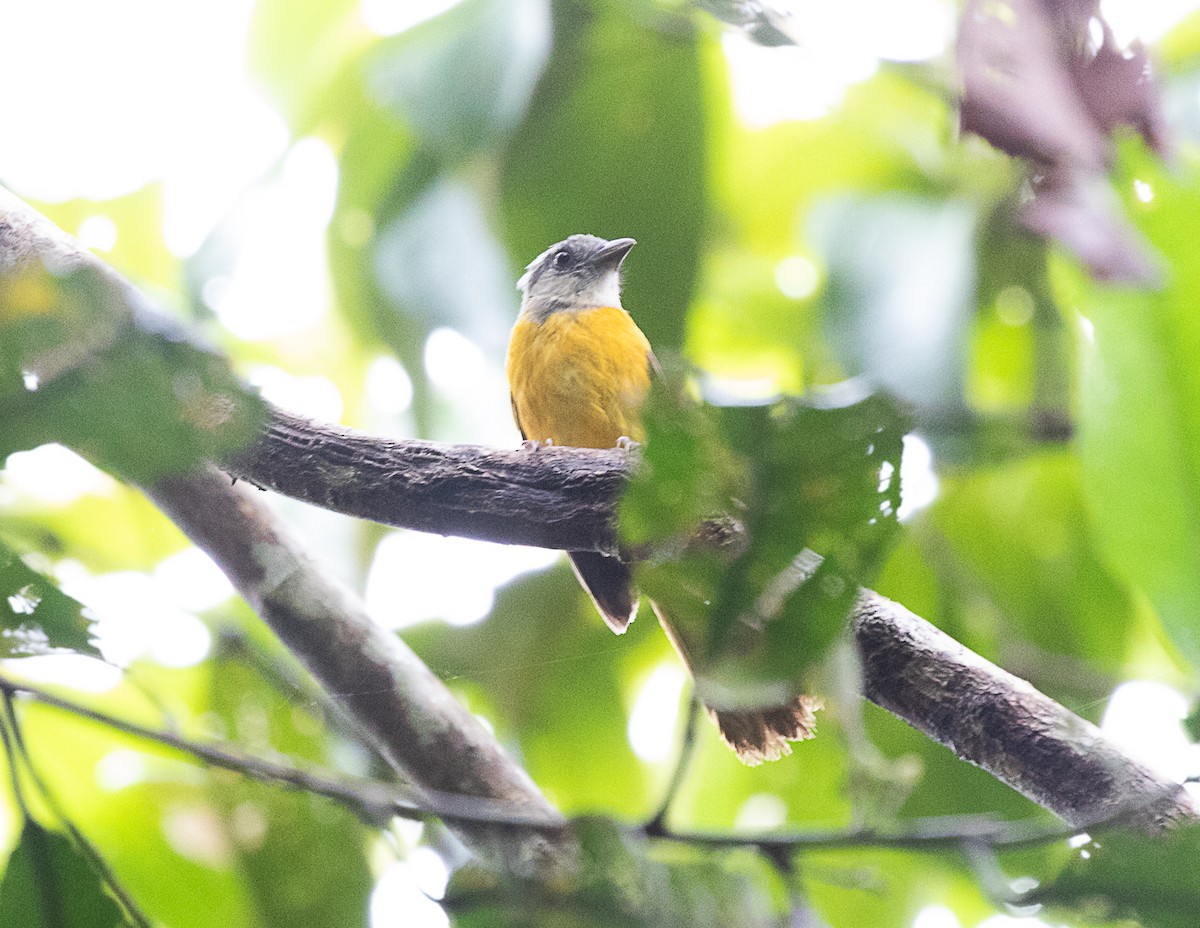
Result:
x=1036 y=85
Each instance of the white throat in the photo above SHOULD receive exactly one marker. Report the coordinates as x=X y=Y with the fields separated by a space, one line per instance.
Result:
x=563 y=295
x=604 y=292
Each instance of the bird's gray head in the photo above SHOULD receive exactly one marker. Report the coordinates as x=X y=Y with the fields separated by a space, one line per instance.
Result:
x=581 y=272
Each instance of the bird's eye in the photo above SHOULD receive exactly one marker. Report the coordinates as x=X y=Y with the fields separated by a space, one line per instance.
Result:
x=560 y=260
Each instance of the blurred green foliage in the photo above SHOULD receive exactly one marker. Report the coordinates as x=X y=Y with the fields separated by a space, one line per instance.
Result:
x=790 y=476
x=630 y=883
x=867 y=243
x=134 y=392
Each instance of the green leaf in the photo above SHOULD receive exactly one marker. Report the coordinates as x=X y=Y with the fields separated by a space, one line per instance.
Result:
x=35 y=616
x=1021 y=356
x=119 y=529
x=155 y=822
x=49 y=884
x=1139 y=407
x=889 y=135
x=463 y=80
x=411 y=248
x=1125 y=874
x=132 y=392
x=614 y=145
x=754 y=606
x=381 y=178
x=686 y=470
x=1180 y=48
x=1042 y=602
x=1191 y=724
x=139 y=250
x=377 y=179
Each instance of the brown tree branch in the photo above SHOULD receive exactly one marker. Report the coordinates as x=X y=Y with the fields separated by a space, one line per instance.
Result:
x=404 y=710
x=550 y=498
x=564 y=498
x=1001 y=723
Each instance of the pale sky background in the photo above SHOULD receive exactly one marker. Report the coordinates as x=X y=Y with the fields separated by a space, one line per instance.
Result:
x=84 y=74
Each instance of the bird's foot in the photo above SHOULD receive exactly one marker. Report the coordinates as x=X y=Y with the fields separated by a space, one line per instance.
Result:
x=532 y=444
x=625 y=443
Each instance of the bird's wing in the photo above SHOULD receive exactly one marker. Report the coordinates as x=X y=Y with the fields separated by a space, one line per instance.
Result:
x=517 y=416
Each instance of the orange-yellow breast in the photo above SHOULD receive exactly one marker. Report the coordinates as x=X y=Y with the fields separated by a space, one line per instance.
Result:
x=579 y=377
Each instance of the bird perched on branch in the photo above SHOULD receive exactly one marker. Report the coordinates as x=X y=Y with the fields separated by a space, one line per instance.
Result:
x=579 y=370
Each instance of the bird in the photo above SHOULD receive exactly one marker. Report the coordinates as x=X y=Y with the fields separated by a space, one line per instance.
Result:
x=579 y=369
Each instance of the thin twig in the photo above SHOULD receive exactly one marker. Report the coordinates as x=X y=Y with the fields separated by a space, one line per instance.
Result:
x=657 y=825
x=922 y=834
x=971 y=833
x=373 y=799
x=377 y=797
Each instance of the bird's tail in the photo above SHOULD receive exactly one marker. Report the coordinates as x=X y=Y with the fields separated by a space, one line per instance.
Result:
x=757 y=734
x=765 y=734
x=609 y=582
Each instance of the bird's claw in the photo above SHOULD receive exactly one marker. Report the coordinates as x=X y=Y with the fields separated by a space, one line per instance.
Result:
x=625 y=443
x=532 y=444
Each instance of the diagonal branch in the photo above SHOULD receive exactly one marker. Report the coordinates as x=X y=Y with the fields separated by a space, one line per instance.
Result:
x=395 y=702
x=1001 y=723
x=393 y=698
x=371 y=799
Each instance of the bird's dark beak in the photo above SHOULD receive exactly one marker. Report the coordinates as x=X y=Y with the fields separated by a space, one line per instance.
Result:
x=611 y=254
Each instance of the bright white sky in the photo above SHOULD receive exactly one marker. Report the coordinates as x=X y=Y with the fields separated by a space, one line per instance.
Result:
x=88 y=73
